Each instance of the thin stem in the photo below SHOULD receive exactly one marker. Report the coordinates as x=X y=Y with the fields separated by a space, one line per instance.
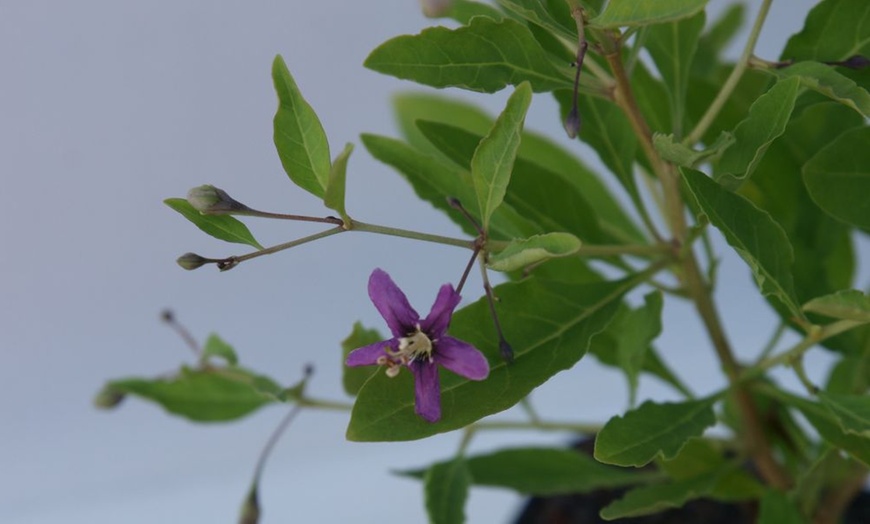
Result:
x=231 y=262
x=604 y=250
x=527 y=406
x=467 y=269
x=283 y=216
x=330 y=405
x=273 y=439
x=507 y=352
x=539 y=425
x=733 y=79
x=405 y=233
x=774 y=340
x=169 y=317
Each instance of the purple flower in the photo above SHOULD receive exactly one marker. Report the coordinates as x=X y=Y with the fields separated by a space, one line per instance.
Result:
x=421 y=345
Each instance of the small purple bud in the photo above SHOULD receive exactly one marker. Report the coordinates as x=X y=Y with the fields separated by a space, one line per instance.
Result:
x=109 y=397
x=436 y=8
x=855 y=62
x=210 y=200
x=572 y=122
x=191 y=261
x=507 y=352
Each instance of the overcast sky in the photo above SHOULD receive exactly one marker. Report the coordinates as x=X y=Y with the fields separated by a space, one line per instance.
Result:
x=107 y=108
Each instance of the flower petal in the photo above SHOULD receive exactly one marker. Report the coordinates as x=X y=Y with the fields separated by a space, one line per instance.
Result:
x=427 y=390
x=392 y=304
x=368 y=355
x=461 y=358
x=438 y=320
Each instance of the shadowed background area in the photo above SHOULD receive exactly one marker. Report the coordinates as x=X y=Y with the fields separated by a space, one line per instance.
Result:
x=107 y=108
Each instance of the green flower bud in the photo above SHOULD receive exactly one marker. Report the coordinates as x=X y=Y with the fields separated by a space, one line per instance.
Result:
x=436 y=8
x=210 y=200
x=109 y=397
x=250 y=513
x=190 y=261
x=572 y=122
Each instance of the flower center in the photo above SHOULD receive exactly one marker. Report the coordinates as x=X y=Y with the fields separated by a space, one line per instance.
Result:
x=416 y=345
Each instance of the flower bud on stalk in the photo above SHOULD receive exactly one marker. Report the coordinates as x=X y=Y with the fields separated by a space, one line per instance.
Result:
x=210 y=200
x=191 y=261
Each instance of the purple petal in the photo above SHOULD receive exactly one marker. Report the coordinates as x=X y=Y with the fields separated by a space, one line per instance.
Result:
x=392 y=304
x=436 y=323
x=368 y=355
x=461 y=358
x=427 y=390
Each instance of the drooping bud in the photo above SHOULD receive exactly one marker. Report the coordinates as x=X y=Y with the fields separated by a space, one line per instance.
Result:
x=436 y=8
x=855 y=62
x=250 y=513
x=507 y=352
x=109 y=397
x=191 y=261
x=572 y=122
x=210 y=200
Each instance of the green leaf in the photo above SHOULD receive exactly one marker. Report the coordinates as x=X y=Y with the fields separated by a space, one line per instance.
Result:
x=685 y=156
x=652 y=430
x=852 y=412
x=544 y=471
x=534 y=192
x=826 y=80
x=463 y=10
x=637 y=329
x=838 y=177
x=222 y=227
x=446 y=488
x=566 y=316
x=619 y=13
x=834 y=30
x=776 y=508
x=536 y=152
x=435 y=180
x=205 y=395
x=494 y=157
x=716 y=38
x=535 y=11
x=755 y=236
x=701 y=457
x=849 y=304
x=672 y=47
x=766 y=122
x=828 y=426
x=215 y=346
x=353 y=378
x=299 y=136
x=527 y=251
x=485 y=55
x=335 y=190
x=651 y=499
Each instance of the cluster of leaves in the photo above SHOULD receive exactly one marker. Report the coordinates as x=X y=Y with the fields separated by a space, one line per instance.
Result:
x=773 y=154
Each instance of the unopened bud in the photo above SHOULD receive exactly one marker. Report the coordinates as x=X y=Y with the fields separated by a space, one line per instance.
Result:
x=507 y=352
x=109 y=397
x=191 y=261
x=210 y=200
x=436 y=8
x=250 y=513
x=856 y=62
x=572 y=122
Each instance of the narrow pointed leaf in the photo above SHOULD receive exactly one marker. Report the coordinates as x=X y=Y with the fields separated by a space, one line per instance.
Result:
x=215 y=346
x=446 y=489
x=638 y=328
x=672 y=46
x=543 y=471
x=205 y=395
x=222 y=227
x=838 y=177
x=494 y=157
x=852 y=412
x=620 y=13
x=539 y=248
x=335 y=190
x=829 y=82
x=756 y=237
x=654 y=498
x=485 y=55
x=850 y=304
x=652 y=430
x=299 y=136
x=834 y=30
x=766 y=122
x=352 y=378
x=566 y=316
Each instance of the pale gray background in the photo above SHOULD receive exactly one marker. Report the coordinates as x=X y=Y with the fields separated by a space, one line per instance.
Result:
x=108 y=107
